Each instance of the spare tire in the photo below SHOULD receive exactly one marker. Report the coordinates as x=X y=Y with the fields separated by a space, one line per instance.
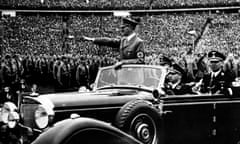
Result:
x=141 y=120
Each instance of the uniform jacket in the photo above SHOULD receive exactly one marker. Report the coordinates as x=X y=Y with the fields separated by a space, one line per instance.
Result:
x=218 y=84
x=129 y=49
x=63 y=74
x=82 y=75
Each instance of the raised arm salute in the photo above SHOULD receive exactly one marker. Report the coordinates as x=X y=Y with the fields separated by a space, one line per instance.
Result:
x=130 y=46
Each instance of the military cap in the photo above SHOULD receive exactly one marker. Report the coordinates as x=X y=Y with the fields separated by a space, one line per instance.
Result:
x=216 y=56
x=174 y=71
x=131 y=21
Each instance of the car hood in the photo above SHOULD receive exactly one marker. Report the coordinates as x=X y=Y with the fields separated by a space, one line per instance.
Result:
x=94 y=98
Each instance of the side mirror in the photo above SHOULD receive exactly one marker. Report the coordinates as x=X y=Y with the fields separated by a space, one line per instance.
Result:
x=157 y=94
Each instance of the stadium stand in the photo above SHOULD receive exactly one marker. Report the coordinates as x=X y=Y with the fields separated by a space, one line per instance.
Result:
x=113 y=4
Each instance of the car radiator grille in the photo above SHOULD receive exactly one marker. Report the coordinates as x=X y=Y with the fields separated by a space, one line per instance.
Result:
x=27 y=112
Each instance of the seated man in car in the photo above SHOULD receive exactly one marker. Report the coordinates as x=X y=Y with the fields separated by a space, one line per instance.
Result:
x=175 y=86
x=170 y=63
x=218 y=80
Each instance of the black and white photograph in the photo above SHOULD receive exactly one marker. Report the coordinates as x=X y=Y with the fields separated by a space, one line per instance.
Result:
x=119 y=71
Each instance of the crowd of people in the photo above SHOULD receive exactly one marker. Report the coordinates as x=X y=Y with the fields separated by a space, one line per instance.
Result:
x=163 y=33
x=50 y=45
x=113 y=4
x=47 y=53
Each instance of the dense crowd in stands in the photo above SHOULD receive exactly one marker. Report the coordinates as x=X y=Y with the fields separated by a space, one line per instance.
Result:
x=166 y=33
x=113 y=4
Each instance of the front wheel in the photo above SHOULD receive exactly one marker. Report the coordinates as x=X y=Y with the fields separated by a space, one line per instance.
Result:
x=140 y=119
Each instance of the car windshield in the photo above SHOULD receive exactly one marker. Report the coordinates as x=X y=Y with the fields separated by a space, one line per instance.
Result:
x=130 y=76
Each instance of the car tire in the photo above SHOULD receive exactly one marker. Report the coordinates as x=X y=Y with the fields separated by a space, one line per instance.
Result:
x=140 y=119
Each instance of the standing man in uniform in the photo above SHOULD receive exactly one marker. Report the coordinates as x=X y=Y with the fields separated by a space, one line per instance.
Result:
x=64 y=74
x=130 y=46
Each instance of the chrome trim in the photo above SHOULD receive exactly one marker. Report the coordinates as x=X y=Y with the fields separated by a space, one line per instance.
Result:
x=200 y=103
x=29 y=128
x=42 y=100
x=88 y=109
x=45 y=102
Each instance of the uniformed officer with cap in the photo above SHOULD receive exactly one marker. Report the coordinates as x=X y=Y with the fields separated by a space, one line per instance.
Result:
x=217 y=80
x=169 y=63
x=130 y=46
x=174 y=84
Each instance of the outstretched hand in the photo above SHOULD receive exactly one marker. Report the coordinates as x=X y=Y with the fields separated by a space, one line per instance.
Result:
x=85 y=38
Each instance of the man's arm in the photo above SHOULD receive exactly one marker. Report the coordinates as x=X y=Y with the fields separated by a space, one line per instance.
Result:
x=111 y=42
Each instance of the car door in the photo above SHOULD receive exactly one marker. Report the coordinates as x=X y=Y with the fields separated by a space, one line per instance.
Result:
x=227 y=111
x=188 y=119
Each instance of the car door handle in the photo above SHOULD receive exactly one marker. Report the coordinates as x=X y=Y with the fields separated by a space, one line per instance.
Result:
x=166 y=112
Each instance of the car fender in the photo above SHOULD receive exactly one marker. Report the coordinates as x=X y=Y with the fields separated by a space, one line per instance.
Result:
x=64 y=129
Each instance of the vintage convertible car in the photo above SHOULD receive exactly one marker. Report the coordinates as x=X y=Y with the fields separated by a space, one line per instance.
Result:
x=134 y=100
x=123 y=97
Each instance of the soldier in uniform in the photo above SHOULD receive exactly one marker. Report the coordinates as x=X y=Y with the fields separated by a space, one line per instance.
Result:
x=56 y=66
x=217 y=80
x=9 y=79
x=7 y=71
x=64 y=74
x=130 y=46
x=15 y=77
x=19 y=65
x=93 y=69
x=29 y=69
x=82 y=74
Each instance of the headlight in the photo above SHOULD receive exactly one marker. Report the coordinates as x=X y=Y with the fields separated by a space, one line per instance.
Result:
x=43 y=116
x=7 y=108
x=13 y=119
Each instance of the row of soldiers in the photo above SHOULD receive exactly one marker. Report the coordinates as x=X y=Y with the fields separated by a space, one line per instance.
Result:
x=51 y=73
x=62 y=73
